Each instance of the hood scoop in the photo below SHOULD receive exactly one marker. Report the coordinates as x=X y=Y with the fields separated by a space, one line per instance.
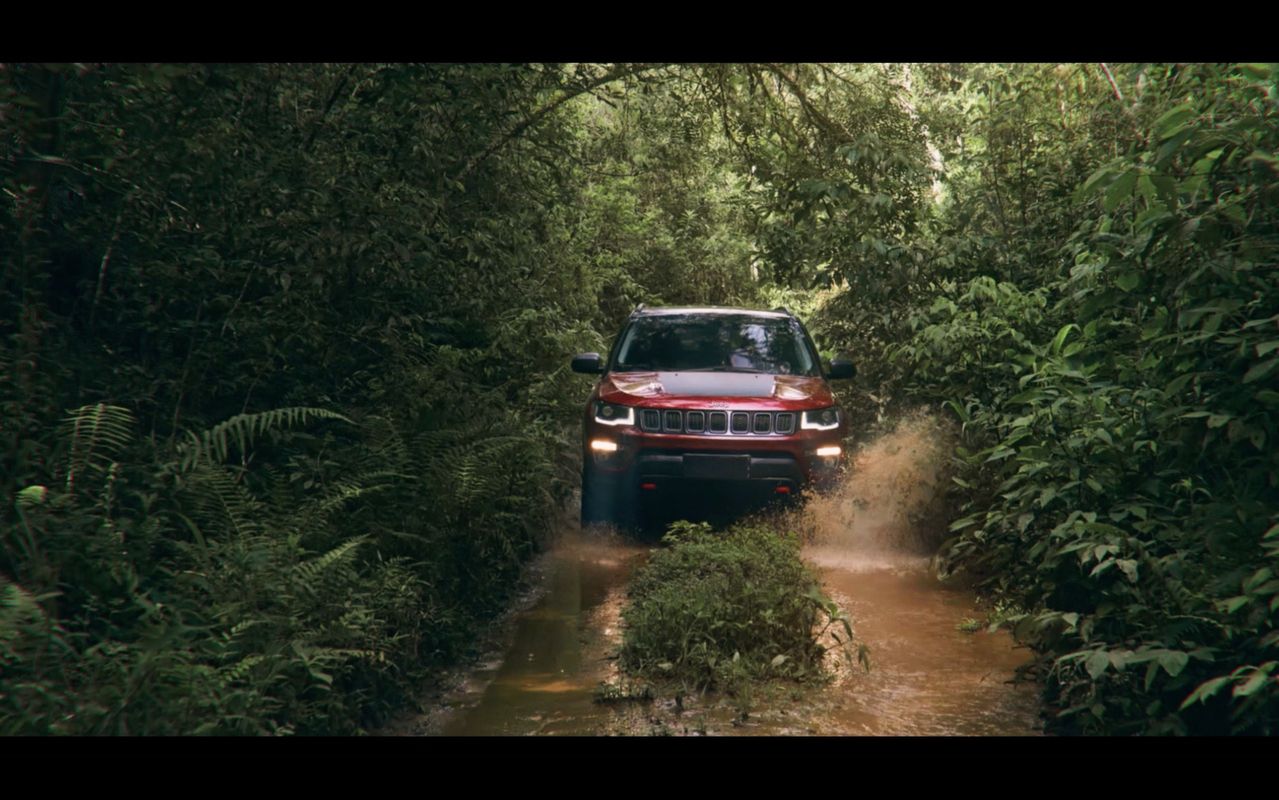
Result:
x=726 y=384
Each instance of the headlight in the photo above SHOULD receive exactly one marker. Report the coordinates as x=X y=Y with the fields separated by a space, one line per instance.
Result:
x=822 y=419
x=613 y=414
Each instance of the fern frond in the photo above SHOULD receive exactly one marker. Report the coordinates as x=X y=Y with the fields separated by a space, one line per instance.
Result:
x=97 y=433
x=309 y=572
x=222 y=503
x=386 y=446
x=345 y=492
x=214 y=445
x=18 y=608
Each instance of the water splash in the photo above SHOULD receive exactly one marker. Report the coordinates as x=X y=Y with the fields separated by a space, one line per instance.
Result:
x=889 y=508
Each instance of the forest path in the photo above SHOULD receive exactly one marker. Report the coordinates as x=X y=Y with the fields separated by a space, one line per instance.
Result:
x=869 y=544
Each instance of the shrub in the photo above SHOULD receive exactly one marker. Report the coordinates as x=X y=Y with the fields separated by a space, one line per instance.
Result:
x=716 y=608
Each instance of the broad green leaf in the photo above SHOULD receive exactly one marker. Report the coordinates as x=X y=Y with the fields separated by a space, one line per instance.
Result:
x=1128 y=280
x=1173 y=662
x=1095 y=180
x=1250 y=686
x=1097 y=663
x=1205 y=690
x=1171 y=121
x=1259 y=371
x=1060 y=338
x=1151 y=218
x=1120 y=190
x=1129 y=568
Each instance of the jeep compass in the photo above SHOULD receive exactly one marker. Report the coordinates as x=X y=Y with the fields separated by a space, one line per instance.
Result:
x=699 y=400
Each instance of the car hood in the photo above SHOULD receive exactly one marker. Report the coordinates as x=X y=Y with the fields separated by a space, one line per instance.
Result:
x=679 y=388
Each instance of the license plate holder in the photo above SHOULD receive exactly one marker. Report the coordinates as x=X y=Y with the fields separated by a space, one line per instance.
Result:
x=720 y=467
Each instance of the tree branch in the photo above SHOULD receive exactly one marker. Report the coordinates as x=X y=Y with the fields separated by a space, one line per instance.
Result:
x=1118 y=94
x=333 y=96
x=617 y=73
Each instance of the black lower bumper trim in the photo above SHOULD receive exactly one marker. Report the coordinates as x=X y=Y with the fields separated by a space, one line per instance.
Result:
x=729 y=467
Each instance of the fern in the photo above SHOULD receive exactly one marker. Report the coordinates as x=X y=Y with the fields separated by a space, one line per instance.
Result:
x=308 y=573
x=386 y=447
x=214 y=445
x=223 y=503
x=96 y=433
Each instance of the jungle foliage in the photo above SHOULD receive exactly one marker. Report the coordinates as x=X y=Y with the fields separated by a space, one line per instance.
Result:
x=720 y=609
x=284 y=397
x=1106 y=334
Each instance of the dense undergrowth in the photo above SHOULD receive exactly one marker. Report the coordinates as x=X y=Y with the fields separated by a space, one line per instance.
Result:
x=284 y=398
x=722 y=609
x=1116 y=384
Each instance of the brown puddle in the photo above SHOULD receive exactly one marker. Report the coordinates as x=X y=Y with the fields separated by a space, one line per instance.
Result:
x=558 y=653
x=870 y=546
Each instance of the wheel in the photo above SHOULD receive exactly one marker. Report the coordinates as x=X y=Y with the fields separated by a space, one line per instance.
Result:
x=606 y=502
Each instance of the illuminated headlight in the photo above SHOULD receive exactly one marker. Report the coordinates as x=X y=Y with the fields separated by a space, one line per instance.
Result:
x=829 y=451
x=603 y=446
x=822 y=419
x=613 y=414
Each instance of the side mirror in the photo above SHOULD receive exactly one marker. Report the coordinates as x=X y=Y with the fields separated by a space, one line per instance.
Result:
x=841 y=367
x=590 y=363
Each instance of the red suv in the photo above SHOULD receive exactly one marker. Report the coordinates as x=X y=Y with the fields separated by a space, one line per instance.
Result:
x=703 y=399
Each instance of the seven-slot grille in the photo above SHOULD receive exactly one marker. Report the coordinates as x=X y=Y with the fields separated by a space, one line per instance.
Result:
x=760 y=423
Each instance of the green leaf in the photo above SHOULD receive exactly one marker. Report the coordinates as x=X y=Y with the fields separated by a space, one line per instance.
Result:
x=1097 y=663
x=778 y=660
x=1120 y=190
x=1261 y=370
x=1205 y=690
x=1250 y=686
x=1129 y=567
x=1128 y=280
x=1173 y=662
x=32 y=496
x=1173 y=120
x=1060 y=338
x=1094 y=181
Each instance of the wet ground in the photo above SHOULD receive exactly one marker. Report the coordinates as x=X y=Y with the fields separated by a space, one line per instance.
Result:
x=870 y=541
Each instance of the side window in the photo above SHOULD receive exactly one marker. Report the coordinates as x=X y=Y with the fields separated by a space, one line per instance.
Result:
x=614 y=352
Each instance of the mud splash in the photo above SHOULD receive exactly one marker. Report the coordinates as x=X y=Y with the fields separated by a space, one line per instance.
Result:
x=872 y=540
x=889 y=507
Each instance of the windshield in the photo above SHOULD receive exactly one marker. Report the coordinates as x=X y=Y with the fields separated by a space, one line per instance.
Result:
x=716 y=343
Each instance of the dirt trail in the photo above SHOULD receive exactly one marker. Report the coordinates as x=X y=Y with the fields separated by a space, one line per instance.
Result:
x=870 y=542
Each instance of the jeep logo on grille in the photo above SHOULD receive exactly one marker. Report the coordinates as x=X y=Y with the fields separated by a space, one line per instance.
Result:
x=716 y=404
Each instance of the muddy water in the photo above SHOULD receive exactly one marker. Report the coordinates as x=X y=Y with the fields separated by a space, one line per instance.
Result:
x=541 y=677
x=870 y=544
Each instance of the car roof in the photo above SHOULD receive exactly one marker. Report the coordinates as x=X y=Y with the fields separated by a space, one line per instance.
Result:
x=673 y=310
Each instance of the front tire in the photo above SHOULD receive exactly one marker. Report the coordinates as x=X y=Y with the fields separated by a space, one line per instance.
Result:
x=606 y=502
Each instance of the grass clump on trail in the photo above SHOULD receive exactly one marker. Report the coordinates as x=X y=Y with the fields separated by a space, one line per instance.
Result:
x=719 y=608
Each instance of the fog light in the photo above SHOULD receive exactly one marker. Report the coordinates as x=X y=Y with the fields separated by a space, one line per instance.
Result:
x=829 y=451
x=603 y=446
